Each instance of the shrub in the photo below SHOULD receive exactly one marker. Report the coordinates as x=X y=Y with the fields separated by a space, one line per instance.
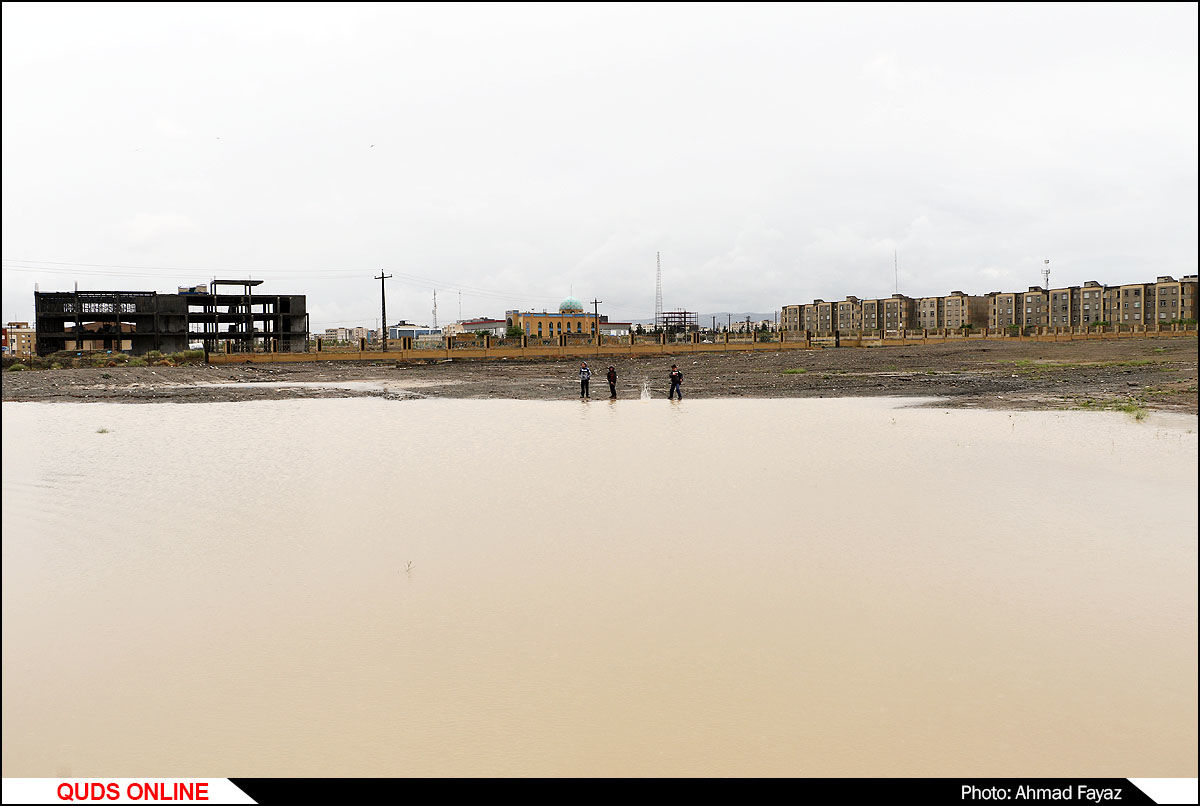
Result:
x=137 y=361
x=17 y=367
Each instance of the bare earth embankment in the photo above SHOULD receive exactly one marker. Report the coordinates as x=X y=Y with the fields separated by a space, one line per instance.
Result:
x=1152 y=373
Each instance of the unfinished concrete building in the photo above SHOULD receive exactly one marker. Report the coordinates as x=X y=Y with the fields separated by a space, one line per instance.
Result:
x=137 y=322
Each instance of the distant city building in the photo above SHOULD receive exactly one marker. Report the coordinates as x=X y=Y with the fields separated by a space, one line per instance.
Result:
x=961 y=310
x=18 y=339
x=493 y=327
x=1175 y=300
x=402 y=330
x=570 y=318
x=1091 y=303
x=608 y=328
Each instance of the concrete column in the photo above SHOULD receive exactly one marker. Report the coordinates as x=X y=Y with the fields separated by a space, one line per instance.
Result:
x=318 y=344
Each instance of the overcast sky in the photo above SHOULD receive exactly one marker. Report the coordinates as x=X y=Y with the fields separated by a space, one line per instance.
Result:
x=517 y=153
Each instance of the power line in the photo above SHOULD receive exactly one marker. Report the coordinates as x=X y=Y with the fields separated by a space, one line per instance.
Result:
x=13 y=264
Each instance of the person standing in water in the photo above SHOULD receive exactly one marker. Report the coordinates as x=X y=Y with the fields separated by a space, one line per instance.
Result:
x=676 y=379
x=612 y=382
x=585 y=375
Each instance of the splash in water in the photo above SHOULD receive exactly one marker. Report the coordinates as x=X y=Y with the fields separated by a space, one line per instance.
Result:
x=645 y=390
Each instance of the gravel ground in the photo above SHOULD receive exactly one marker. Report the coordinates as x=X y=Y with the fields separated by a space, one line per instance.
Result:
x=1153 y=372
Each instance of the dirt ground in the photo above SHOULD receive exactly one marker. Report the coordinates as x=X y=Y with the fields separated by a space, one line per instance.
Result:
x=1152 y=373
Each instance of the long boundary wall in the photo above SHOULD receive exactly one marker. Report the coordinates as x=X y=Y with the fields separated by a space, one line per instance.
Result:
x=784 y=341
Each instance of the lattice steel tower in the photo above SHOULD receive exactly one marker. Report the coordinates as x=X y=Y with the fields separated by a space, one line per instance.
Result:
x=658 y=313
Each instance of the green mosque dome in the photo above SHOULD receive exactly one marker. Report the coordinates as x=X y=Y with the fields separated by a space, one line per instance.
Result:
x=570 y=304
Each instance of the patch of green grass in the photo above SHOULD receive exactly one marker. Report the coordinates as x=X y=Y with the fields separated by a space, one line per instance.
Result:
x=101 y=430
x=795 y=371
x=1133 y=408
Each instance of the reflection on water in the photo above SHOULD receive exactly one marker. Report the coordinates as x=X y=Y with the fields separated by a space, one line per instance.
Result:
x=713 y=588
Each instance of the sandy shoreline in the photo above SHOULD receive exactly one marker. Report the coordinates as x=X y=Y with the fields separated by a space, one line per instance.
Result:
x=1151 y=373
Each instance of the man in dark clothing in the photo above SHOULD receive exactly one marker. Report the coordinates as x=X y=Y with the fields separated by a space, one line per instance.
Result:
x=612 y=382
x=585 y=375
x=676 y=379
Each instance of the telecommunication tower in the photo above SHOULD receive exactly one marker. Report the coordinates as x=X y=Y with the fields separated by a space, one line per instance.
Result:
x=1046 y=275
x=658 y=311
x=435 y=309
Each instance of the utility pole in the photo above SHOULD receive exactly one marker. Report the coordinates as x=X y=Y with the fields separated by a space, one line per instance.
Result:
x=596 y=318
x=383 y=308
x=728 y=322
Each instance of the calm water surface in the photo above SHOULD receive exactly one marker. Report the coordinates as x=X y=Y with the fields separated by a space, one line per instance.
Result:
x=502 y=588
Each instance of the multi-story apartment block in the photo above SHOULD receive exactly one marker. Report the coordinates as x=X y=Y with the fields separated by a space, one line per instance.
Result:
x=810 y=315
x=872 y=314
x=930 y=313
x=961 y=310
x=1174 y=300
x=1136 y=304
x=18 y=339
x=791 y=318
x=1129 y=304
x=826 y=316
x=1091 y=303
x=1065 y=306
x=899 y=313
x=1004 y=310
x=1035 y=307
x=849 y=315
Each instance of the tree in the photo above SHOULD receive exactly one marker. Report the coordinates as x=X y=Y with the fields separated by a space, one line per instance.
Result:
x=514 y=332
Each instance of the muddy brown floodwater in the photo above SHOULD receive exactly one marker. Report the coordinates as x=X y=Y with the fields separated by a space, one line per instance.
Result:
x=360 y=587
